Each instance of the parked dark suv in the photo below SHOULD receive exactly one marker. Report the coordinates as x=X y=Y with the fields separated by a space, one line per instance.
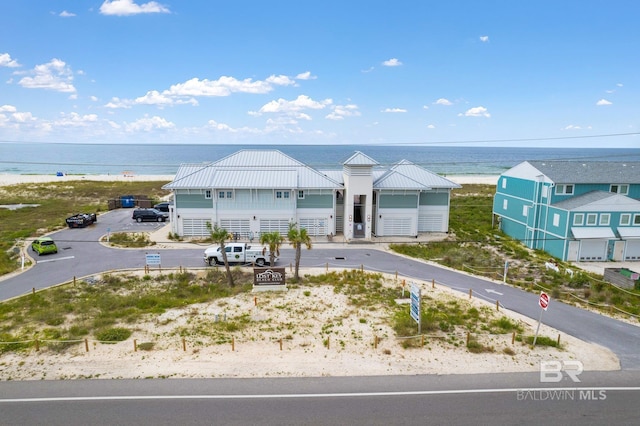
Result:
x=163 y=207
x=155 y=215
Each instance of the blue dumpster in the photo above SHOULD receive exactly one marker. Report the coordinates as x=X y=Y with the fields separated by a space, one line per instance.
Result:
x=127 y=201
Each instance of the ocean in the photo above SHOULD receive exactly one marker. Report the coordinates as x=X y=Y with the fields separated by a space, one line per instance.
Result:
x=146 y=159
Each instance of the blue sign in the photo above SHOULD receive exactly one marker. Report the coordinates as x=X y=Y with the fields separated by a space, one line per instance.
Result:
x=415 y=302
x=153 y=259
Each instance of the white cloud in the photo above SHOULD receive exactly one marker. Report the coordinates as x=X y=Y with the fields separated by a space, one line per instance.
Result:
x=431 y=126
x=394 y=110
x=484 y=39
x=8 y=108
x=128 y=7
x=76 y=120
x=476 y=112
x=619 y=84
x=575 y=127
x=55 y=75
x=23 y=117
x=425 y=106
x=154 y=97
x=66 y=14
x=305 y=76
x=339 y=112
x=93 y=98
x=603 y=102
x=116 y=103
x=224 y=86
x=280 y=80
x=148 y=124
x=443 y=101
x=294 y=107
x=393 y=62
x=6 y=61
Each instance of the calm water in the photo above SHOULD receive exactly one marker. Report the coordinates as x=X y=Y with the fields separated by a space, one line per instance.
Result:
x=45 y=158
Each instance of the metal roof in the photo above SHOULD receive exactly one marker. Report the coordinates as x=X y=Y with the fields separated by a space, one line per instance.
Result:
x=589 y=171
x=251 y=169
x=592 y=232
x=406 y=175
x=629 y=232
x=599 y=201
x=360 y=159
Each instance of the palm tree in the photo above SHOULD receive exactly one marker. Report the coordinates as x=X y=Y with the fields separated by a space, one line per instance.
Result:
x=298 y=238
x=220 y=236
x=273 y=240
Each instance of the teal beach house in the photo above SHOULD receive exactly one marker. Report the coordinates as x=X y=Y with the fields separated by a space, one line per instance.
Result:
x=575 y=211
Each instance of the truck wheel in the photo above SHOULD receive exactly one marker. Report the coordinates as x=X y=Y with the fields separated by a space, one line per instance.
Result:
x=212 y=261
x=139 y=220
x=260 y=262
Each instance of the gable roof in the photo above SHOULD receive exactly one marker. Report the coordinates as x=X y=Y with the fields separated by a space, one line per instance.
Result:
x=576 y=172
x=251 y=169
x=406 y=175
x=360 y=159
x=596 y=201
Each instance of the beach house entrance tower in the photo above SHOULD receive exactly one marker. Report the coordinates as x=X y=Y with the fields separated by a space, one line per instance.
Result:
x=358 y=196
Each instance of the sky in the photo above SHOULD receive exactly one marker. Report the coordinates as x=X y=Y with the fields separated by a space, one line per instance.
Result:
x=466 y=73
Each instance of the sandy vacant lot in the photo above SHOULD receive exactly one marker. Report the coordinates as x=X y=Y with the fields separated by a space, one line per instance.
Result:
x=307 y=331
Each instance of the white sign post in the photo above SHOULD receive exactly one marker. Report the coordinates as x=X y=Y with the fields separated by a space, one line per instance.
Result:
x=543 y=302
x=415 y=305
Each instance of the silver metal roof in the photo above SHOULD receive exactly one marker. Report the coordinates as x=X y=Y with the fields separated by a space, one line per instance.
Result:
x=599 y=201
x=360 y=159
x=406 y=175
x=252 y=169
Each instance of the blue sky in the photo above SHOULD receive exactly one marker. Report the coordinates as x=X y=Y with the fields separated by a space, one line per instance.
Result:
x=496 y=73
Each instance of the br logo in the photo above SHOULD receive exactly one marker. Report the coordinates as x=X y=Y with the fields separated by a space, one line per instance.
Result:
x=554 y=371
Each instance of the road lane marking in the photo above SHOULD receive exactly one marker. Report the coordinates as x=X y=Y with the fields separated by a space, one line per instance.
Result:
x=56 y=259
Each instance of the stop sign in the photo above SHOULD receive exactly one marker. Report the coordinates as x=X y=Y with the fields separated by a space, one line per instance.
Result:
x=544 y=300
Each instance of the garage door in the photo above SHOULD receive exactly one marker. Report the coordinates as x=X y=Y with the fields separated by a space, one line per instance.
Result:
x=431 y=223
x=593 y=250
x=239 y=226
x=315 y=227
x=271 y=225
x=195 y=228
x=632 y=250
x=400 y=226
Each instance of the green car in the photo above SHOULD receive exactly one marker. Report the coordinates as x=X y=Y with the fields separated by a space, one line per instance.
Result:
x=44 y=245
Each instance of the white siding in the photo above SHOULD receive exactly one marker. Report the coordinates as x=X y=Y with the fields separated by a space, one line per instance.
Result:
x=195 y=228
x=315 y=226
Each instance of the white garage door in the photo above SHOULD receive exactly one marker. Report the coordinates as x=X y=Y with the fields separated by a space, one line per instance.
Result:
x=315 y=227
x=397 y=226
x=195 y=228
x=632 y=250
x=593 y=250
x=271 y=225
x=431 y=223
x=239 y=226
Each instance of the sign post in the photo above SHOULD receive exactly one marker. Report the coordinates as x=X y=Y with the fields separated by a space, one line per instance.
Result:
x=543 y=302
x=415 y=305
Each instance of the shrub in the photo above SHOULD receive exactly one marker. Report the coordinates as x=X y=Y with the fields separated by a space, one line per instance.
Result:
x=116 y=334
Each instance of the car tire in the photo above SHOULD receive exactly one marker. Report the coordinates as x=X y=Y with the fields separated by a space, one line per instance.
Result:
x=212 y=261
x=161 y=219
x=260 y=262
x=138 y=219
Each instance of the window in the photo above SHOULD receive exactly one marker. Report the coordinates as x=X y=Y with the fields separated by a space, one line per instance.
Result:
x=207 y=193
x=592 y=218
x=605 y=218
x=229 y=194
x=300 y=195
x=282 y=194
x=578 y=219
x=625 y=219
x=564 y=189
x=220 y=194
x=505 y=204
x=620 y=189
x=545 y=191
x=278 y=194
x=525 y=211
x=504 y=183
x=636 y=219
x=225 y=194
x=286 y=194
x=556 y=219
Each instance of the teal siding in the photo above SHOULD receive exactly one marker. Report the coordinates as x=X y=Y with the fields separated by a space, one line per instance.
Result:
x=400 y=201
x=193 y=201
x=312 y=201
x=434 y=198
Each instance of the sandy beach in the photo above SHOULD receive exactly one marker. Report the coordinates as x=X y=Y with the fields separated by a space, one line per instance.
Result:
x=13 y=179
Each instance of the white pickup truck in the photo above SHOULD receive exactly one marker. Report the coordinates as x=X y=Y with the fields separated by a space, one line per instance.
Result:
x=238 y=253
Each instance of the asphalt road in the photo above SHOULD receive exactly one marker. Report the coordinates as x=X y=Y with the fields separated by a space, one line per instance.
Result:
x=407 y=400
